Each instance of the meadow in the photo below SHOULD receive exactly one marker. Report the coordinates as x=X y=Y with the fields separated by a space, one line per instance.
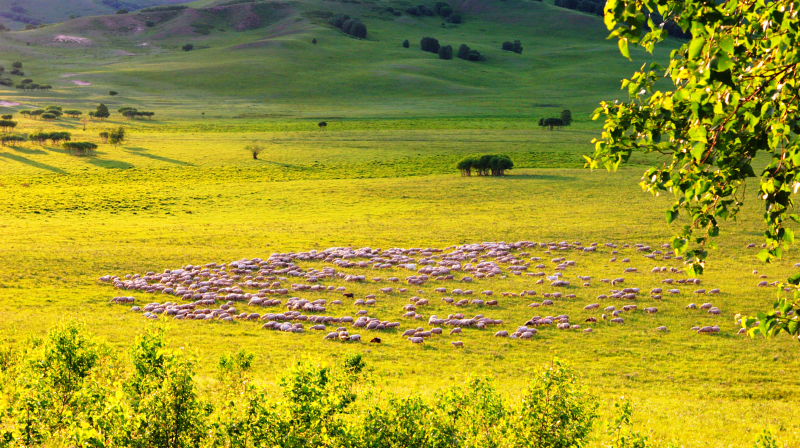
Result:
x=182 y=190
x=167 y=198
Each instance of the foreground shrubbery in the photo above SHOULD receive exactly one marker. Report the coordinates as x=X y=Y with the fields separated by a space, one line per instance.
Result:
x=70 y=390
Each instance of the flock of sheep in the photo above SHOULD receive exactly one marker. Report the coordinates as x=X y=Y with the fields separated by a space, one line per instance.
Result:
x=217 y=291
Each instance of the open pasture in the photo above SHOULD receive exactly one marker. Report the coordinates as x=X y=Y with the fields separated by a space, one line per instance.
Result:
x=168 y=199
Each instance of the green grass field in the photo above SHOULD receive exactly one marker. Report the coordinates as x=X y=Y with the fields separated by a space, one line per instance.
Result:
x=182 y=190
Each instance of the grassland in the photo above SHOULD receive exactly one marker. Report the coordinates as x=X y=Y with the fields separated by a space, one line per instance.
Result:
x=170 y=198
x=183 y=191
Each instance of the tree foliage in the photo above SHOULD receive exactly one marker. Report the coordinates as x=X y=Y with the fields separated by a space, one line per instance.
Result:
x=733 y=95
x=485 y=165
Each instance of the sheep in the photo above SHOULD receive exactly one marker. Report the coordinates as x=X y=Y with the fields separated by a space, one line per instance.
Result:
x=375 y=340
x=458 y=344
x=662 y=328
x=456 y=330
x=416 y=340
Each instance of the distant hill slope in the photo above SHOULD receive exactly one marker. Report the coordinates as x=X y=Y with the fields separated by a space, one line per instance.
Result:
x=16 y=14
x=274 y=57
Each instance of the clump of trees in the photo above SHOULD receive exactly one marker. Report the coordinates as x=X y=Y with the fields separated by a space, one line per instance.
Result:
x=55 y=138
x=485 y=165
x=441 y=9
x=351 y=26
x=468 y=54
x=132 y=113
x=429 y=44
x=10 y=139
x=446 y=52
x=515 y=46
x=556 y=122
x=7 y=125
x=80 y=148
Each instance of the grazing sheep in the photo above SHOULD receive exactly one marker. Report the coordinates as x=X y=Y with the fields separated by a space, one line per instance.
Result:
x=458 y=344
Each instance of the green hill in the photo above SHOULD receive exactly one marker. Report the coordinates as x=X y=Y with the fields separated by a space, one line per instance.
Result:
x=16 y=14
x=257 y=57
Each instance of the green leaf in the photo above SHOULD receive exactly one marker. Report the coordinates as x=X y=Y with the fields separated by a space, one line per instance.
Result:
x=623 y=47
x=726 y=44
x=795 y=279
x=696 y=46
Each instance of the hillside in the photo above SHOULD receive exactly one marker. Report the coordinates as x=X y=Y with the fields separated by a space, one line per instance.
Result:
x=257 y=57
x=16 y=14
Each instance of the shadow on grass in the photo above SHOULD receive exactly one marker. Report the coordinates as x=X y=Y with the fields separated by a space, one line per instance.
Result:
x=32 y=163
x=143 y=153
x=111 y=164
x=284 y=165
x=539 y=177
x=27 y=150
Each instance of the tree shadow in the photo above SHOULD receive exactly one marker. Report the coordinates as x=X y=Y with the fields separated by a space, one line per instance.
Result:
x=539 y=177
x=27 y=150
x=111 y=164
x=284 y=165
x=143 y=153
x=32 y=163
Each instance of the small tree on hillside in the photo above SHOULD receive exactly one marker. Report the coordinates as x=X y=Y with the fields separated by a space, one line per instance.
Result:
x=254 y=150
x=446 y=52
x=7 y=125
x=566 y=117
x=117 y=136
x=406 y=44
x=187 y=47
x=102 y=112
x=429 y=44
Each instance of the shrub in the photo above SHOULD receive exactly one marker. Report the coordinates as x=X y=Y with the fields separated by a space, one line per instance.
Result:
x=507 y=46
x=80 y=148
x=101 y=112
x=454 y=18
x=566 y=117
x=113 y=92
x=551 y=123
x=406 y=43
x=429 y=44
x=254 y=150
x=351 y=26
x=188 y=47
x=446 y=52
x=117 y=136
x=463 y=51
x=485 y=165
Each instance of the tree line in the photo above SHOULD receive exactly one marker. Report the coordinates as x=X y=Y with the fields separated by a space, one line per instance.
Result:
x=485 y=165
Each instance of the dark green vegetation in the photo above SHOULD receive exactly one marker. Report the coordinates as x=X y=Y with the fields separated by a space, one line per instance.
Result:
x=485 y=165
x=16 y=14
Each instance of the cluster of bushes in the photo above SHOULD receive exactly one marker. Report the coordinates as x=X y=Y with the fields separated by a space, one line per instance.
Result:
x=132 y=113
x=68 y=389
x=16 y=70
x=28 y=84
x=7 y=124
x=441 y=9
x=80 y=148
x=351 y=26
x=55 y=138
x=432 y=45
x=485 y=165
x=556 y=122
x=49 y=113
x=10 y=139
x=164 y=8
x=515 y=46
x=113 y=136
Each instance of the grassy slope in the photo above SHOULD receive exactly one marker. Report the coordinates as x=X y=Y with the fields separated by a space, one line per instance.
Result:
x=275 y=69
x=183 y=191
x=52 y=11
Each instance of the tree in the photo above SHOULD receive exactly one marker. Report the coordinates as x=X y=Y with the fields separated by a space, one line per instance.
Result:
x=551 y=123
x=117 y=136
x=406 y=44
x=507 y=46
x=733 y=97
x=429 y=44
x=446 y=52
x=566 y=117
x=463 y=51
x=7 y=125
x=188 y=47
x=102 y=112
x=255 y=150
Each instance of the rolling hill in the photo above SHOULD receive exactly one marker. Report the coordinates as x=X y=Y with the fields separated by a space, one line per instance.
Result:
x=16 y=14
x=258 y=57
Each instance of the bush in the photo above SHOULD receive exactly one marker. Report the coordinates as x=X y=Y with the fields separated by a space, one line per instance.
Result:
x=566 y=117
x=188 y=47
x=351 y=26
x=551 y=123
x=406 y=44
x=454 y=18
x=507 y=46
x=446 y=52
x=485 y=165
x=81 y=148
x=429 y=44
x=463 y=51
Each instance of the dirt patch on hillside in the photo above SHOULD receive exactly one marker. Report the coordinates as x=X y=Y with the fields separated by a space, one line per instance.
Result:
x=78 y=82
x=9 y=104
x=75 y=40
